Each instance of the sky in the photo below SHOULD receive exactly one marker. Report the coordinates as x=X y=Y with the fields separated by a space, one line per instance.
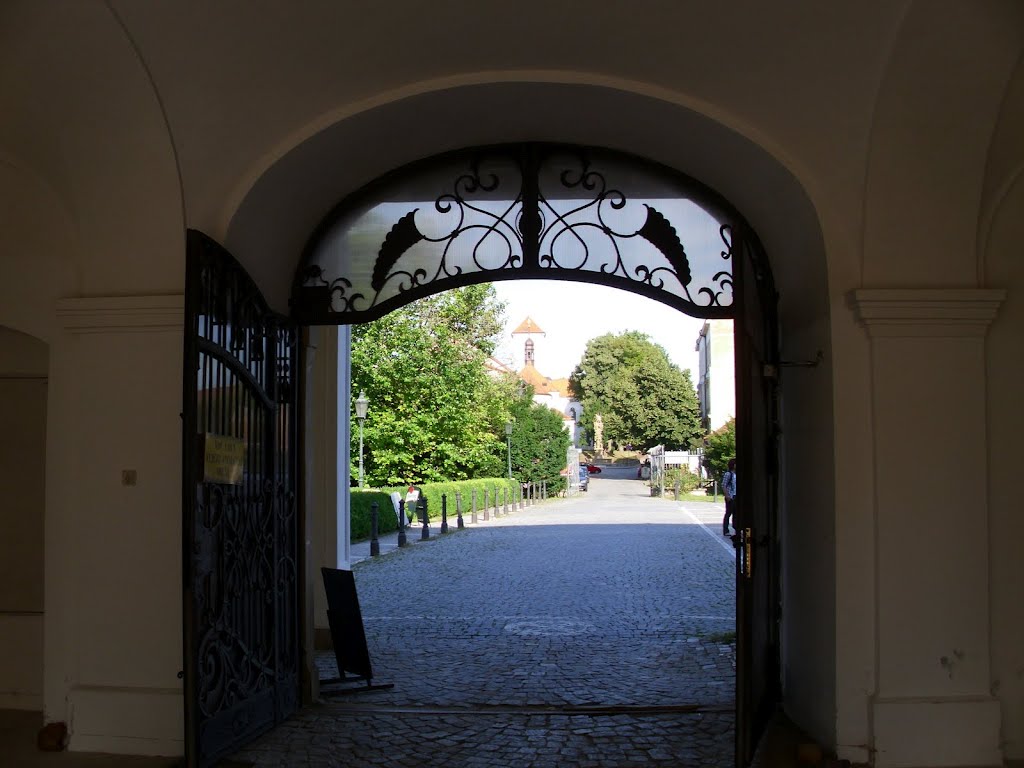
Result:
x=572 y=313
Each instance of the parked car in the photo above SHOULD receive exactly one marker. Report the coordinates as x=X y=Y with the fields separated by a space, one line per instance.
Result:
x=594 y=469
x=584 y=477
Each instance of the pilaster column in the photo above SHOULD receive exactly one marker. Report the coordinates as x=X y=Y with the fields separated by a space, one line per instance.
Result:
x=327 y=462
x=112 y=622
x=933 y=704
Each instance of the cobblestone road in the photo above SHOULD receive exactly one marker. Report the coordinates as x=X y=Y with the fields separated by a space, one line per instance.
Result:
x=500 y=638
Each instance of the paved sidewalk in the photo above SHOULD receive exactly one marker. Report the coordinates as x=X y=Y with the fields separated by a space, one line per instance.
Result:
x=586 y=632
x=573 y=634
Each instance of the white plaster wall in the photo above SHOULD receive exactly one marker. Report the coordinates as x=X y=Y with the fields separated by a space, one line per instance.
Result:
x=328 y=419
x=23 y=391
x=113 y=591
x=1005 y=425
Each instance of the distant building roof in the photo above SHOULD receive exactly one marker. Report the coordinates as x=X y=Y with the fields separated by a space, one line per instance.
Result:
x=542 y=385
x=527 y=326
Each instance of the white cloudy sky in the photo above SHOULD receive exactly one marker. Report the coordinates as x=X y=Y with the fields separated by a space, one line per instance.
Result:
x=573 y=313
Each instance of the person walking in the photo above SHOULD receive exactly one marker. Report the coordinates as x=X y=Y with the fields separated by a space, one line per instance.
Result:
x=729 y=491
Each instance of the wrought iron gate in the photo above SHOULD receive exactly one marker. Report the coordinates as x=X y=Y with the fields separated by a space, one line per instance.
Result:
x=757 y=561
x=240 y=527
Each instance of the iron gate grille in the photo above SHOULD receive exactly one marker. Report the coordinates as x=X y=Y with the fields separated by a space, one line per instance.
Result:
x=240 y=558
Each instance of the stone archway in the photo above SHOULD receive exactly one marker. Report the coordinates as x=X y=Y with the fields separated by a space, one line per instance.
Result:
x=277 y=214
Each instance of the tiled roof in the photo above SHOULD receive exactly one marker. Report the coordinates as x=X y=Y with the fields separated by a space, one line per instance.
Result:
x=528 y=326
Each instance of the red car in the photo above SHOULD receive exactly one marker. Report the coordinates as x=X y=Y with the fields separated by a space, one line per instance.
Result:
x=593 y=469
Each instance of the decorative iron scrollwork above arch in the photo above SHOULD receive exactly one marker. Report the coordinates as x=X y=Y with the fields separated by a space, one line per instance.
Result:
x=524 y=211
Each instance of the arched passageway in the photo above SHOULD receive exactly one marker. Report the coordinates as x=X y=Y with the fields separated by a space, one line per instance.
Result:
x=568 y=212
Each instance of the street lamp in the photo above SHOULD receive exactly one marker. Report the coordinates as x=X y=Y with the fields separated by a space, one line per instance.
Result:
x=508 y=442
x=362 y=404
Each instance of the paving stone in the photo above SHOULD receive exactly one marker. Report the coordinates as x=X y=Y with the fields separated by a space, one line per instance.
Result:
x=566 y=604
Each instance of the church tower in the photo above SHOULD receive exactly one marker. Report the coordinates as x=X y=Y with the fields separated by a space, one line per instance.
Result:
x=528 y=328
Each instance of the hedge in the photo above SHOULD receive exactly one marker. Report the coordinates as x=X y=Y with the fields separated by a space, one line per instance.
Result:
x=387 y=521
x=362 y=502
x=432 y=492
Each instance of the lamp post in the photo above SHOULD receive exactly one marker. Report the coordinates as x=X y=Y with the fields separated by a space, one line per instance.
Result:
x=508 y=442
x=362 y=404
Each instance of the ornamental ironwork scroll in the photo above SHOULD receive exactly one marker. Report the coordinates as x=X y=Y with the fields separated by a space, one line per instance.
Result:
x=525 y=211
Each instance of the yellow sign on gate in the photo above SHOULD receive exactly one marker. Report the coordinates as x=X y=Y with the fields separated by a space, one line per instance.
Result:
x=223 y=459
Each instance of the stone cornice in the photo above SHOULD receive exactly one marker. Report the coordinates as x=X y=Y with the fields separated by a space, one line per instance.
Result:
x=122 y=314
x=926 y=311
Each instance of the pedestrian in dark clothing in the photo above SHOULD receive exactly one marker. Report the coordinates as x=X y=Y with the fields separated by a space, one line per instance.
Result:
x=729 y=491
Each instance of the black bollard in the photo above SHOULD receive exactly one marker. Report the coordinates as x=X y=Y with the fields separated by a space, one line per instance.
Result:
x=460 y=524
x=444 y=513
x=374 y=543
x=422 y=507
x=487 y=514
x=401 y=523
x=472 y=499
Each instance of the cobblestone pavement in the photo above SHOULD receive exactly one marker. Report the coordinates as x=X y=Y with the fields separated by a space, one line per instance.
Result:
x=502 y=638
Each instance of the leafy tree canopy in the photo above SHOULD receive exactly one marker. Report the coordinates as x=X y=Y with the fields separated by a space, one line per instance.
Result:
x=644 y=398
x=434 y=412
x=719 y=447
x=539 y=440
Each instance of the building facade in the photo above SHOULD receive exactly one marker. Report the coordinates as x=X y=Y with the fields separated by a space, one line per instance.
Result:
x=874 y=147
x=716 y=394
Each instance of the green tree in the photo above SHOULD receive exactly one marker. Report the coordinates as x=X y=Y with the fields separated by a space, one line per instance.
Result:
x=719 y=447
x=434 y=414
x=539 y=440
x=644 y=398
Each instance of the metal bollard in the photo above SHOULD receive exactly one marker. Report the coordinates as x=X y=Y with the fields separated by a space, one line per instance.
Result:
x=472 y=499
x=374 y=543
x=487 y=514
x=421 y=506
x=678 y=489
x=504 y=500
x=444 y=513
x=543 y=490
x=401 y=523
x=460 y=524
x=521 y=506
x=497 y=512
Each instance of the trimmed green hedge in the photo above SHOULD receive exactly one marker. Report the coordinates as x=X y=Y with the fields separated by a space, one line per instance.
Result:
x=362 y=502
x=432 y=492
